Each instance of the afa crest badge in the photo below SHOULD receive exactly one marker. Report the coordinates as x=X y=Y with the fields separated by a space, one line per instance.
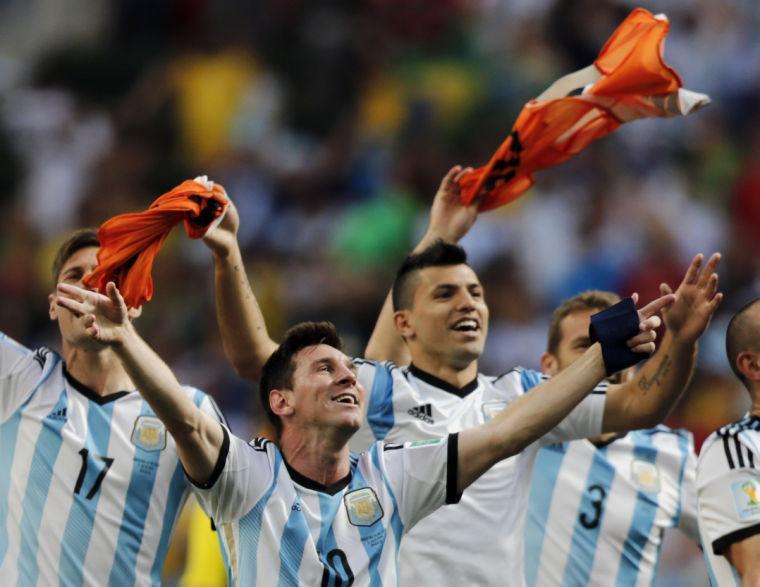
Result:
x=149 y=433
x=363 y=507
x=645 y=475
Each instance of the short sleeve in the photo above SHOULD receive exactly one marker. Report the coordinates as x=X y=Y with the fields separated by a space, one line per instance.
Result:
x=243 y=474
x=584 y=421
x=728 y=495
x=20 y=371
x=422 y=474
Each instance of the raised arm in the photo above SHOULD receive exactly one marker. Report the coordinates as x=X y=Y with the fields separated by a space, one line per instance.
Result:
x=534 y=414
x=244 y=333
x=197 y=435
x=449 y=221
x=647 y=399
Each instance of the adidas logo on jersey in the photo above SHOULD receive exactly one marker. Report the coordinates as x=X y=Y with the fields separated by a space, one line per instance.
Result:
x=59 y=414
x=423 y=412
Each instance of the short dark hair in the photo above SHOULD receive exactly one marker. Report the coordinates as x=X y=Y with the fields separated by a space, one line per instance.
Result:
x=592 y=299
x=277 y=372
x=741 y=335
x=439 y=254
x=81 y=239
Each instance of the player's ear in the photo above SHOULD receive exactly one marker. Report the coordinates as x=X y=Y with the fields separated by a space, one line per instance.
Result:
x=549 y=364
x=402 y=322
x=52 y=307
x=280 y=401
x=748 y=364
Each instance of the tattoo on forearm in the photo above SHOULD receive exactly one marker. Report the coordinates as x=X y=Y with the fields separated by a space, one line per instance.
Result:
x=646 y=383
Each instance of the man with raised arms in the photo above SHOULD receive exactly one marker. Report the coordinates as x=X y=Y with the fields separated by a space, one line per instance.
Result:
x=435 y=322
x=306 y=511
x=91 y=483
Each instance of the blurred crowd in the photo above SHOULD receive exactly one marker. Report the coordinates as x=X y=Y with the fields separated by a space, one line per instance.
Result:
x=331 y=123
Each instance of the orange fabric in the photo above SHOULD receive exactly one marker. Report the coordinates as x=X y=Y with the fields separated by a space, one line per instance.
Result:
x=629 y=80
x=130 y=242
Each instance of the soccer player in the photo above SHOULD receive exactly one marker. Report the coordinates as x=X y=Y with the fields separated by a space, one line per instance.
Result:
x=438 y=318
x=598 y=507
x=91 y=482
x=305 y=511
x=728 y=478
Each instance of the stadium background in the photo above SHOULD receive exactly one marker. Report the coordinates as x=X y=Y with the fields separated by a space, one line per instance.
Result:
x=331 y=123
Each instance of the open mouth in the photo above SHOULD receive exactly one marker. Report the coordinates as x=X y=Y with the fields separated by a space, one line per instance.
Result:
x=346 y=398
x=466 y=325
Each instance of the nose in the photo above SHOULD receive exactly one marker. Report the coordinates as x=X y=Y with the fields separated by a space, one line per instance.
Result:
x=465 y=301
x=346 y=376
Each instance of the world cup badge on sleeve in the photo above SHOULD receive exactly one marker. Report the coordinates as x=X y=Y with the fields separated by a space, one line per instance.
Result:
x=363 y=507
x=149 y=433
x=746 y=494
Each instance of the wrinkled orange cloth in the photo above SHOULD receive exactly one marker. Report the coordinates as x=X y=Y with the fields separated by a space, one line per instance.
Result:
x=628 y=80
x=130 y=242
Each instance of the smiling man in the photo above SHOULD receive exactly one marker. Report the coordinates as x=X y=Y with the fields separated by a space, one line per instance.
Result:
x=91 y=483
x=304 y=510
x=422 y=381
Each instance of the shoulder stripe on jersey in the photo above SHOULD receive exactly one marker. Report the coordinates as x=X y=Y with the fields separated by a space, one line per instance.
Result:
x=738 y=445
x=727 y=450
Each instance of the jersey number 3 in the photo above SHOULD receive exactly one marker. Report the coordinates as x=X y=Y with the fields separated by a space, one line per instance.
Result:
x=597 y=495
x=107 y=462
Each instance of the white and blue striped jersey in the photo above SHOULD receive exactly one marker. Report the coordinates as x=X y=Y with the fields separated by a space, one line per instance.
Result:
x=479 y=541
x=728 y=494
x=280 y=528
x=91 y=485
x=597 y=513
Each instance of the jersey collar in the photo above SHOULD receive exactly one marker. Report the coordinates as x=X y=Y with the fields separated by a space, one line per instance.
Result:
x=89 y=393
x=304 y=481
x=463 y=391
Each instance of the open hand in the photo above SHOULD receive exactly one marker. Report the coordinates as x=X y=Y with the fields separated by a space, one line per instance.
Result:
x=697 y=298
x=105 y=318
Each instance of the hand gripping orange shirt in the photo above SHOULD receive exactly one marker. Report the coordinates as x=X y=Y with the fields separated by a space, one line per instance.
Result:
x=130 y=242
x=628 y=80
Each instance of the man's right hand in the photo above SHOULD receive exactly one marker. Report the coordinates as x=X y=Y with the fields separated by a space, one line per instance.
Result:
x=449 y=219
x=223 y=239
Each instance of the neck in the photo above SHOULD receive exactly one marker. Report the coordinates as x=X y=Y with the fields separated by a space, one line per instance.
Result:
x=318 y=454
x=754 y=394
x=100 y=370
x=445 y=371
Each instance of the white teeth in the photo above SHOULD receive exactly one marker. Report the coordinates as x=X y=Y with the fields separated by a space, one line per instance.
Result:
x=345 y=399
x=466 y=325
